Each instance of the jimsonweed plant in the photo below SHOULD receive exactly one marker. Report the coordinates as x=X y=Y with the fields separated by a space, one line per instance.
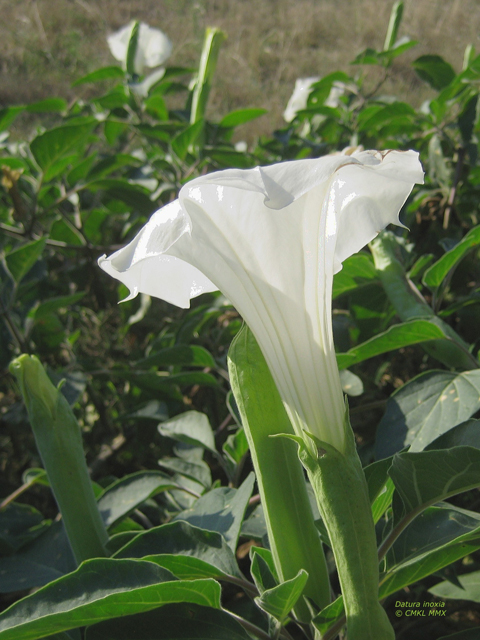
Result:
x=266 y=291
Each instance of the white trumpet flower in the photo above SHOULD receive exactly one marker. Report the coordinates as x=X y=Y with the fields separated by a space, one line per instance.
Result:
x=271 y=239
x=153 y=46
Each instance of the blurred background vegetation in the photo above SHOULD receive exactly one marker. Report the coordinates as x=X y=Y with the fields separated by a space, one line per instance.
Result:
x=47 y=44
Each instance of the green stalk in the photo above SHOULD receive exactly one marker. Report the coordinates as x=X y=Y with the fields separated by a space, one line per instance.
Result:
x=293 y=537
x=59 y=443
x=409 y=304
x=342 y=497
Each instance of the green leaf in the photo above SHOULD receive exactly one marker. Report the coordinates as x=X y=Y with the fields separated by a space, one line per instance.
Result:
x=280 y=600
x=436 y=274
x=132 y=194
x=104 y=73
x=110 y=164
x=240 y=116
x=470 y=588
x=21 y=260
x=184 y=140
x=423 y=478
x=329 y=615
x=180 y=354
x=8 y=115
x=19 y=524
x=122 y=497
x=434 y=71
x=101 y=590
x=199 y=471
x=467 y=634
x=182 y=539
x=55 y=304
x=48 y=147
x=45 y=559
x=263 y=569
x=172 y=622
x=221 y=510
x=396 y=337
x=438 y=537
x=49 y=104
x=380 y=487
x=357 y=271
x=466 y=434
x=191 y=427
x=426 y=407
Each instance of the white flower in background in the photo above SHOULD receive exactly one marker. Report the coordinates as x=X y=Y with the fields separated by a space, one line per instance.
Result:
x=303 y=88
x=299 y=97
x=271 y=239
x=153 y=47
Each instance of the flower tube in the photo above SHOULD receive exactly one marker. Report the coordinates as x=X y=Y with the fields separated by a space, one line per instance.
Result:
x=271 y=239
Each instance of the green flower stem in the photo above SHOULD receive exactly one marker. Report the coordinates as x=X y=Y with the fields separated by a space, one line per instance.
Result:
x=293 y=537
x=59 y=443
x=451 y=351
x=342 y=497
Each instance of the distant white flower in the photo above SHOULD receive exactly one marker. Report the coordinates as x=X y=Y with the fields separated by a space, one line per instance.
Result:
x=270 y=239
x=153 y=46
x=298 y=99
x=303 y=88
x=241 y=146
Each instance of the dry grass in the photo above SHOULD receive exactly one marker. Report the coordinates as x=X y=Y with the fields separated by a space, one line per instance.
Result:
x=46 y=44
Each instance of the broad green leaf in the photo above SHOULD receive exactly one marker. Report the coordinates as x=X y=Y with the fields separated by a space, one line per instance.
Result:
x=101 y=590
x=434 y=70
x=104 y=73
x=64 y=231
x=221 y=510
x=187 y=138
x=49 y=104
x=181 y=538
x=467 y=634
x=19 y=524
x=423 y=478
x=55 y=304
x=400 y=112
x=262 y=572
x=191 y=427
x=45 y=559
x=357 y=271
x=236 y=446
x=132 y=194
x=240 y=116
x=329 y=615
x=125 y=495
x=180 y=354
x=8 y=115
x=470 y=588
x=280 y=600
x=55 y=143
x=199 y=471
x=255 y=525
x=229 y=158
x=395 y=337
x=436 y=274
x=435 y=539
x=172 y=622
x=426 y=407
x=21 y=260
x=108 y=165
x=466 y=434
x=380 y=486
